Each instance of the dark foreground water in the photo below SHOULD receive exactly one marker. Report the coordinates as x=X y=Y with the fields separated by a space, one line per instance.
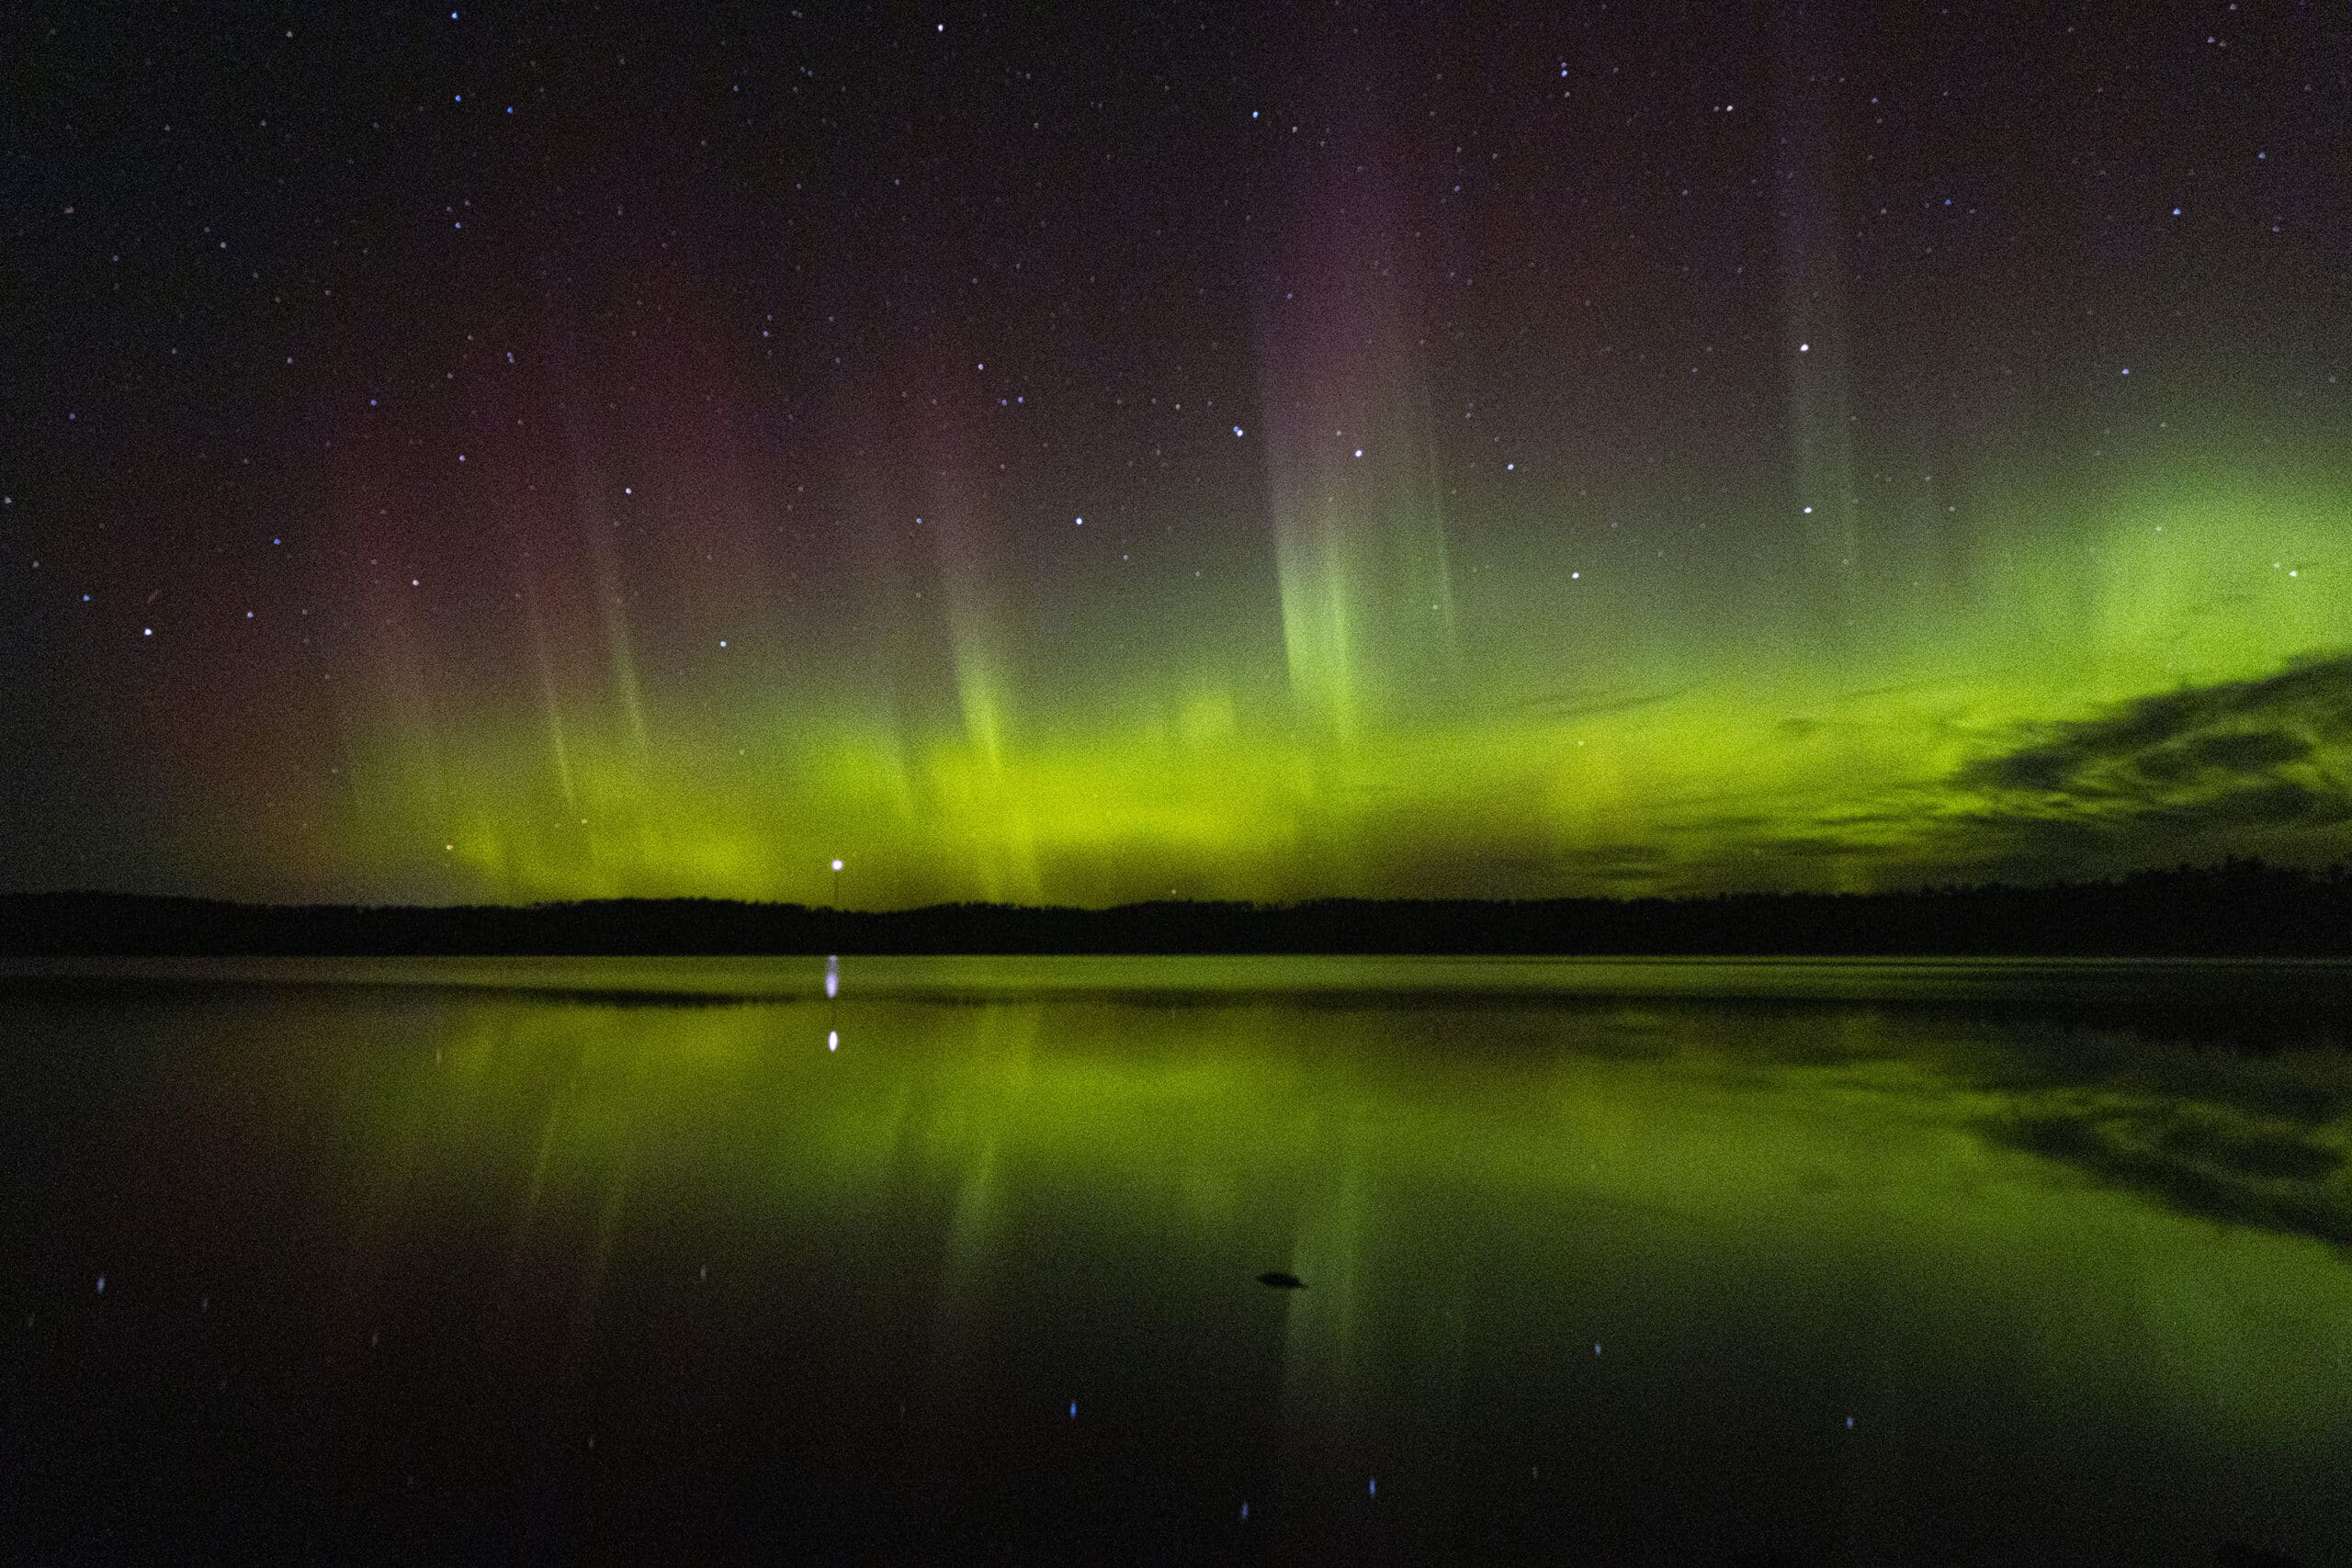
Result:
x=470 y=1260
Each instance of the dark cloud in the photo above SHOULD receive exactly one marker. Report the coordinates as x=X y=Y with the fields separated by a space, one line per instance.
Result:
x=2161 y=743
x=2260 y=766
x=2227 y=765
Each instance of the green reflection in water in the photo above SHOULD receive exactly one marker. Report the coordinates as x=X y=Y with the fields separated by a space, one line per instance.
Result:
x=1664 y=1244
x=1453 y=1180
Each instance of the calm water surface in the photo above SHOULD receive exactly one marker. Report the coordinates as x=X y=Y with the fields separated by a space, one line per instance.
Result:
x=897 y=1259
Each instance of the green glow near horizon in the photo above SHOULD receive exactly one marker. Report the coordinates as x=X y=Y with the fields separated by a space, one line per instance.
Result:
x=1733 y=761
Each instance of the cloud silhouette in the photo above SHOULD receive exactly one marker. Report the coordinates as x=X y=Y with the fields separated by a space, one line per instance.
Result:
x=2233 y=764
x=2161 y=742
x=2257 y=766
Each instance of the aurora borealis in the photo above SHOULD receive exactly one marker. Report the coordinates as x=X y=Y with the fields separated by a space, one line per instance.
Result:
x=513 y=454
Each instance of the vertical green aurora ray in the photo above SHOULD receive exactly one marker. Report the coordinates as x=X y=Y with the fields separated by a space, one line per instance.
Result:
x=1430 y=556
x=597 y=524
x=1355 y=493
x=965 y=539
x=550 y=704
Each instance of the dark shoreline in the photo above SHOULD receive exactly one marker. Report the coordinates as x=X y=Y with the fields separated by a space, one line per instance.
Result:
x=2238 y=909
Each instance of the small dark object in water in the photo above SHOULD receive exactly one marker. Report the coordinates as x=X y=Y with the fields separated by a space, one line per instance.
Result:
x=1280 y=1280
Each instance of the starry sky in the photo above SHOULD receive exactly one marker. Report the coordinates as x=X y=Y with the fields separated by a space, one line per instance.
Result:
x=1094 y=453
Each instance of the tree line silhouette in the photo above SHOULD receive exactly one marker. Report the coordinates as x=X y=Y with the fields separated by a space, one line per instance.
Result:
x=2238 y=907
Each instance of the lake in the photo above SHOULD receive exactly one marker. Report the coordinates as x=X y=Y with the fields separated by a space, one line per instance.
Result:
x=888 y=1260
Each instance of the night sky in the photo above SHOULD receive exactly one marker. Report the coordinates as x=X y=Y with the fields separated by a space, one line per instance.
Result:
x=1081 y=453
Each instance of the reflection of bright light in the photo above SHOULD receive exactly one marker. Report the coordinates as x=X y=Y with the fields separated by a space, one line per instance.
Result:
x=833 y=977
x=832 y=1040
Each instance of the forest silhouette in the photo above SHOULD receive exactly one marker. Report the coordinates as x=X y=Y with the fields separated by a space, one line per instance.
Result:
x=2238 y=907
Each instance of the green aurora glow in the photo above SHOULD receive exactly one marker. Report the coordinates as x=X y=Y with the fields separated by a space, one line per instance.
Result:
x=1429 y=459
x=1724 y=761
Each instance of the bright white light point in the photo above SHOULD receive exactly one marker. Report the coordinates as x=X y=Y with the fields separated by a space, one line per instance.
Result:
x=832 y=1040
x=1573 y=575
x=1237 y=432
x=146 y=631
x=2176 y=212
x=1073 y=1409
x=2125 y=371
x=413 y=582
x=628 y=490
x=451 y=847
x=1082 y=522
x=1804 y=348
x=722 y=642
x=1510 y=467
x=837 y=865
x=1808 y=512
x=102 y=1284
x=1358 y=451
